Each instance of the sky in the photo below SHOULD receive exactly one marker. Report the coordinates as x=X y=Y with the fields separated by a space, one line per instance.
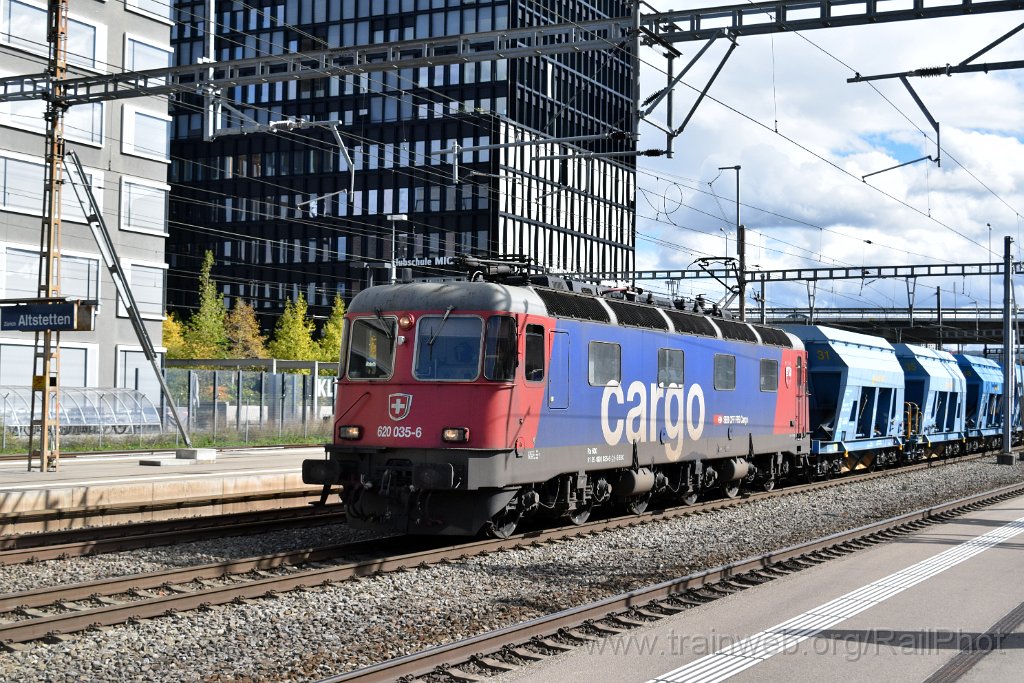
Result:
x=782 y=109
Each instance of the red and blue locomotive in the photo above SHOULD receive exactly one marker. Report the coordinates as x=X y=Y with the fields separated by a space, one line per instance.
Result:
x=468 y=406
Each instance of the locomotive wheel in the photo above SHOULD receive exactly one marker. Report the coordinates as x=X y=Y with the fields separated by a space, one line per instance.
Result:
x=636 y=505
x=580 y=515
x=731 y=489
x=503 y=524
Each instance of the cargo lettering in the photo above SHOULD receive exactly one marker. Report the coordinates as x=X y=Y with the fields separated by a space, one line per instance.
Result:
x=648 y=403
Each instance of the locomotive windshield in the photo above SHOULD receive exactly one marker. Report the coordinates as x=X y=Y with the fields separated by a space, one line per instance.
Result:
x=371 y=352
x=448 y=347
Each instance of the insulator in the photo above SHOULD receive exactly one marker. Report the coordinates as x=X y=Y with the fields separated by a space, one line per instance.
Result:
x=930 y=71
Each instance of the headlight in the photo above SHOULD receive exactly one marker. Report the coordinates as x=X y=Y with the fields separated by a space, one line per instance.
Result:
x=455 y=434
x=350 y=432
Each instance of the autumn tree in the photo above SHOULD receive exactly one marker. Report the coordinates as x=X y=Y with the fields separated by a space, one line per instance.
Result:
x=245 y=339
x=173 y=336
x=330 y=342
x=293 y=334
x=205 y=335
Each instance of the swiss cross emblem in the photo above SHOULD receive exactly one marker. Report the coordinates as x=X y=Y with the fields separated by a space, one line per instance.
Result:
x=399 y=406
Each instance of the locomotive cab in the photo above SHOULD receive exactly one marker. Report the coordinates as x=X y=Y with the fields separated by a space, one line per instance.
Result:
x=438 y=393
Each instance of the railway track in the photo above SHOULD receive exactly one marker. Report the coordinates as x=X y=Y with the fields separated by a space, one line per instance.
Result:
x=509 y=648
x=58 y=611
x=40 y=522
x=71 y=455
x=66 y=543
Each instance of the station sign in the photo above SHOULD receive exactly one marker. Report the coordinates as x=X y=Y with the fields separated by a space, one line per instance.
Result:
x=425 y=261
x=56 y=317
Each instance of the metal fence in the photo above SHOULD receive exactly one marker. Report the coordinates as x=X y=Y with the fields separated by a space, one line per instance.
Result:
x=215 y=402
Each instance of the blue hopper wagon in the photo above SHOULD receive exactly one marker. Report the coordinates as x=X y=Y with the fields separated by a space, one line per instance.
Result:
x=984 y=401
x=856 y=398
x=935 y=409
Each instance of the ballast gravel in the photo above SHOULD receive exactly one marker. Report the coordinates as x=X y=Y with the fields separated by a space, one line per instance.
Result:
x=312 y=634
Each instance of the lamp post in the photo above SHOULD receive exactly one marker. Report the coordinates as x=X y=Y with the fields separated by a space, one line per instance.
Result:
x=989 y=258
x=740 y=246
x=393 y=219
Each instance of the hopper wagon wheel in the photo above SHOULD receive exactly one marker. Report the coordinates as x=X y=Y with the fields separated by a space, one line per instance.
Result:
x=769 y=484
x=828 y=470
x=731 y=489
x=690 y=497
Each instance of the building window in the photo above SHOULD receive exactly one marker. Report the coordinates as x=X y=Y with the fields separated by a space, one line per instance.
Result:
x=79 y=275
x=21 y=189
x=21 y=185
x=158 y=8
x=139 y=55
x=146 y=135
x=143 y=207
x=16 y=364
x=82 y=123
x=24 y=26
x=147 y=285
x=21 y=274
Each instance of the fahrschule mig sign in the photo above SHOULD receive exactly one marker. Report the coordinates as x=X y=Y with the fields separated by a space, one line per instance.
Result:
x=34 y=317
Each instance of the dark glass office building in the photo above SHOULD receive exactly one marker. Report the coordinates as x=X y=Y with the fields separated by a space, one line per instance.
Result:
x=313 y=209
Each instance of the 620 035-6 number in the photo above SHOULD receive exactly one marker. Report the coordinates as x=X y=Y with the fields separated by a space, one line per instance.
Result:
x=399 y=432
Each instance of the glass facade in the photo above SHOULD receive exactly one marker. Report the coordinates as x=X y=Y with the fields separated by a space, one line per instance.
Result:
x=263 y=203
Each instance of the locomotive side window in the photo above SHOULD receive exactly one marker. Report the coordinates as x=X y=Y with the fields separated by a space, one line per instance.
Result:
x=448 y=347
x=604 y=364
x=371 y=349
x=769 y=374
x=725 y=372
x=534 y=353
x=500 y=348
x=670 y=367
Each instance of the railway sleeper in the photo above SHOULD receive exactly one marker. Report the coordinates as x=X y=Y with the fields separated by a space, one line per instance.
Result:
x=579 y=635
x=493 y=664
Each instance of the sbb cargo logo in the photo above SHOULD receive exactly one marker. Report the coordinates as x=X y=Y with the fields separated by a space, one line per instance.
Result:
x=730 y=419
x=644 y=413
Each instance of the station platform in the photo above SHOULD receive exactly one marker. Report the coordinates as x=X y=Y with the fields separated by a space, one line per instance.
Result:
x=107 y=488
x=945 y=604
